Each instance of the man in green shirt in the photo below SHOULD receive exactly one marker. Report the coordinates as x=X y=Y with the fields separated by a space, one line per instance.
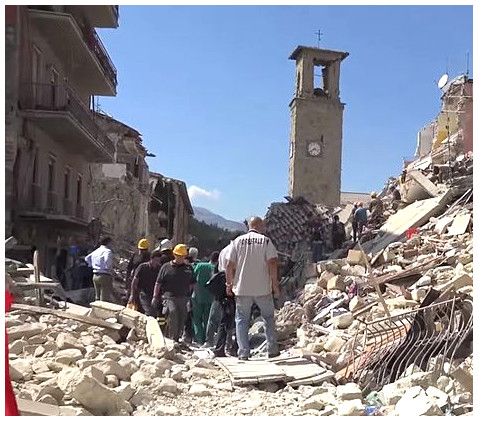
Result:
x=202 y=298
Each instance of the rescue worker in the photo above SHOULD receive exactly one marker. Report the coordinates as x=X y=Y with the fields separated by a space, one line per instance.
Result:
x=202 y=298
x=375 y=208
x=361 y=218
x=143 y=283
x=175 y=284
x=142 y=256
x=354 y=222
x=338 y=233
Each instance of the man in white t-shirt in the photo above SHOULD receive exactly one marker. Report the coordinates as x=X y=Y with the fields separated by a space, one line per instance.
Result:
x=251 y=274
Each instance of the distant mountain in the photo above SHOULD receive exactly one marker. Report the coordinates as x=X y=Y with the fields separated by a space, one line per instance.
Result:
x=205 y=215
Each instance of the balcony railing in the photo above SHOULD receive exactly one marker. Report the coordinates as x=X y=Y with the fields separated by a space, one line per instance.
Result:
x=80 y=211
x=61 y=98
x=94 y=44
x=67 y=207
x=52 y=202
x=36 y=195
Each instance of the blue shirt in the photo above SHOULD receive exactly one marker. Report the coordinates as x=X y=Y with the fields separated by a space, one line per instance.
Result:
x=101 y=260
x=361 y=215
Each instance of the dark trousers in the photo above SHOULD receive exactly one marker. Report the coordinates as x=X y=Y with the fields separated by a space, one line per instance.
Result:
x=103 y=287
x=177 y=316
x=145 y=303
x=225 y=338
x=354 y=230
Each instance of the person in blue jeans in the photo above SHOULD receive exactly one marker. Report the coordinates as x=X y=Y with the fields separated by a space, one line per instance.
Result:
x=251 y=276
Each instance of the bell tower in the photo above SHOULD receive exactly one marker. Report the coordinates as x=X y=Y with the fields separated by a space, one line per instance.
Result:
x=315 y=159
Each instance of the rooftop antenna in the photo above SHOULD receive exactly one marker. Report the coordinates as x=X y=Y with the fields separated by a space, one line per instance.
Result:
x=319 y=37
x=467 y=64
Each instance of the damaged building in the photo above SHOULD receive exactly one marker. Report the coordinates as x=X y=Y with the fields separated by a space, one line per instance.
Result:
x=55 y=64
x=169 y=209
x=121 y=189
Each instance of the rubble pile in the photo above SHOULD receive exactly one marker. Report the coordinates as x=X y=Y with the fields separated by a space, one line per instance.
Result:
x=340 y=302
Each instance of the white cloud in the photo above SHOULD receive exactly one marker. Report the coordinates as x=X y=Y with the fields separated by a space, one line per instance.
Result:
x=196 y=192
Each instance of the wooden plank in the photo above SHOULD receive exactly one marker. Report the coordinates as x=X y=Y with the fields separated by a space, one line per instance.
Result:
x=65 y=315
x=313 y=380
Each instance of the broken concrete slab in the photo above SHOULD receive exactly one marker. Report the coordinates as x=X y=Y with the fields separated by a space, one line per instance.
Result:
x=355 y=257
x=423 y=181
x=460 y=224
x=412 y=216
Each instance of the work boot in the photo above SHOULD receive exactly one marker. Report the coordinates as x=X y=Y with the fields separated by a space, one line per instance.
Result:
x=273 y=354
x=243 y=358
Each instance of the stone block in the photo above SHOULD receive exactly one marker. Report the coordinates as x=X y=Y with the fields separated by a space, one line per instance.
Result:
x=441 y=398
x=141 y=397
x=418 y=294
x=40 y=366
x=353 y=407
x=125 y=390
x=95 y=397
x=415 y=402
x=67 y=340
x=313 y=402
x=342 y=321
x=95 y=373
x=336 y=283
x=198 y=389
x=26 y=330
x=355 y=257
x=21 y=369
x=104 y=310
x=112 y=381
x=356 y=303
x=334 y=343
x=56 y=392
x=168 y=385
x=16 y=347
x=140 y=378
x=349 y=391
x=324 y=279
x=110 y=367
x=68 y=356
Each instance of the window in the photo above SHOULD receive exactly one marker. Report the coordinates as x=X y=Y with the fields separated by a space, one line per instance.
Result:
x=79 y=187
x=35 y=168
x=36 y=73
x=67 y=183
x=51 y=174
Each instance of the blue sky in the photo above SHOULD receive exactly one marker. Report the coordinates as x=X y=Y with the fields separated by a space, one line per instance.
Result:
x=209 y=87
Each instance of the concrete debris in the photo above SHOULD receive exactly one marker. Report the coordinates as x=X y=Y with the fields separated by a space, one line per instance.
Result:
x=109 y=360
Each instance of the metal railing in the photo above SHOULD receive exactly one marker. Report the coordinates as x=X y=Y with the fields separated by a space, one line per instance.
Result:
x=61 y=98
x=94 y=43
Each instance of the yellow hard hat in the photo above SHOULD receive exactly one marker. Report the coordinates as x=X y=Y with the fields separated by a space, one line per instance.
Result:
x=373 y=194
x=143 y=244
x=181 y=250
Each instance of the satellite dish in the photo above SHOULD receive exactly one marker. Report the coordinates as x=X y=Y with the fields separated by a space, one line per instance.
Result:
x=443 y=81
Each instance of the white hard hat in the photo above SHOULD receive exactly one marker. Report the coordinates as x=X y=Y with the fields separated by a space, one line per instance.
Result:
x=165 y=245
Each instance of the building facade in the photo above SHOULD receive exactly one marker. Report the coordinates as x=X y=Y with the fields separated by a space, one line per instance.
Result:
x=315 y=159
x=55 y=64
x=169 y=209
x=120 y=190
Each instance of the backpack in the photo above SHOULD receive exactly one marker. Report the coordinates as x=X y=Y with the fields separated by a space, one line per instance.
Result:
x=217 y=285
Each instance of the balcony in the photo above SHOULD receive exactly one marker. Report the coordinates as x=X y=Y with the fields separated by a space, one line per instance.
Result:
x=61 y=114
x=36 y=196
x=52 y=202
x=80 y=211
x=67 y=207
x=101 y=16
x=80 y=49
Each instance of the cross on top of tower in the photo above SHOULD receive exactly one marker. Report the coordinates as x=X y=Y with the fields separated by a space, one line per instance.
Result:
x=319 y=37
